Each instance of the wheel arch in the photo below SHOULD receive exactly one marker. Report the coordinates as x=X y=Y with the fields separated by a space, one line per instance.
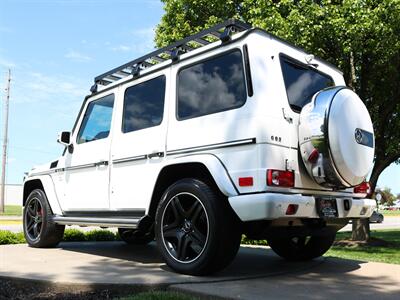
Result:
x=206 y=167
x=45 y=183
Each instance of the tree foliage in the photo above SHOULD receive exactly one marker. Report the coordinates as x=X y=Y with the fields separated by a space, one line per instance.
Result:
x=361 y=37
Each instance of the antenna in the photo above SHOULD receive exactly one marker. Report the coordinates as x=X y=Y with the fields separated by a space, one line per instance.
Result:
x=5 y=140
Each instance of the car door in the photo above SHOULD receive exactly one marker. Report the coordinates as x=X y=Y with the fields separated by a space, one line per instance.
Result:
x=86 y=162
x=138 y=148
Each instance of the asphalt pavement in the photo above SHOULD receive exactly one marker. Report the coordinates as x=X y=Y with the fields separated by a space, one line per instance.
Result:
x=256 y=273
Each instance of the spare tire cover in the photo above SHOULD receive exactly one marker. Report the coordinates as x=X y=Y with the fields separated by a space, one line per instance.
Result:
x=336 y=138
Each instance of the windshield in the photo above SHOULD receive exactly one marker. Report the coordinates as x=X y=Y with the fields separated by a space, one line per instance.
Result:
x=302 y=82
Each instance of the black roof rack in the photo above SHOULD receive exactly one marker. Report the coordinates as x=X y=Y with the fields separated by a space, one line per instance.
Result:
x=222 y=31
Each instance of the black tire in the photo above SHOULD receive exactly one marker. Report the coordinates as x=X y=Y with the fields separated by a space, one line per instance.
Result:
x=193 y=215
x=39 y=231
x=301 y=248
x=135 y=237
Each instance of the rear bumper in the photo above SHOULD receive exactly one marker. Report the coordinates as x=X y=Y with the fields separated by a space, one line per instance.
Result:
x=270 y=206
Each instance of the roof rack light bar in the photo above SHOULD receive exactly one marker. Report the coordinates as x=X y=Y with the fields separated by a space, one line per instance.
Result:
x=222 y=31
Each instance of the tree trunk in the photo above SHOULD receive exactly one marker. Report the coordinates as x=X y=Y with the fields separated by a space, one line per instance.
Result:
x=361 y=230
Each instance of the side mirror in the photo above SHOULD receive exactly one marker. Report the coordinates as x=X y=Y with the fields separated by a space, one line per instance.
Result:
x=64 y=138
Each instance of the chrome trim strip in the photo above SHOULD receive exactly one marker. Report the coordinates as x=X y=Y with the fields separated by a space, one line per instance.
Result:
x=78 y=167
x=279 y=145
x=42 y=173
x=129 y=159
x=107 y=222
x=213 y=146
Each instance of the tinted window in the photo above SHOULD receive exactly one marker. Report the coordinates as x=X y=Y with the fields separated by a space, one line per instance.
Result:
x=144 y=105
x=211 y=86
x=302 y=83
x=97 y=120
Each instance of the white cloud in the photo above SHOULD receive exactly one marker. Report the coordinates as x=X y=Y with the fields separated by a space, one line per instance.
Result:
x=122 y=48
x=45 y=88
x=5 y=63
x=77 y=56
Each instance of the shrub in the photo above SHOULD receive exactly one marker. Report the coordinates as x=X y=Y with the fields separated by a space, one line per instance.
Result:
x=8 y=237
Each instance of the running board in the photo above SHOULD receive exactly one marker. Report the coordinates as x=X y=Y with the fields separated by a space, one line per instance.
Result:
x=101 y=222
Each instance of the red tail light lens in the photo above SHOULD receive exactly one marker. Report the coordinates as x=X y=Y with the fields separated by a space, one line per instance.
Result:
x=363 y=188
x=280 y=178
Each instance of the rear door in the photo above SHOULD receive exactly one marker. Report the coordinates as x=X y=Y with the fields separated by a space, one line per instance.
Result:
x=138 y=148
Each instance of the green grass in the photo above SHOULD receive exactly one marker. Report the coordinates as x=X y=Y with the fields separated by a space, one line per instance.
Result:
x=388 y=213
x=388 y=254
x=12 y=210
x=159 y=295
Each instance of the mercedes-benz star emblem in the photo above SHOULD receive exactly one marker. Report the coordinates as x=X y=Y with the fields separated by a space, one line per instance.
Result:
x=358 y=135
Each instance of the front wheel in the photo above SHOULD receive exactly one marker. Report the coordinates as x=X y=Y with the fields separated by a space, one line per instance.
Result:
x=197 y=232
x=39 y=230
x=301 y=248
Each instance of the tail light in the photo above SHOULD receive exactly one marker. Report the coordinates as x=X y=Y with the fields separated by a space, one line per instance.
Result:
x=280 y=178
x=363 y=188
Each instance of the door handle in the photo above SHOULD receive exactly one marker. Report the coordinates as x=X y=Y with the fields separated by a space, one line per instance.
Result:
x=155 y=155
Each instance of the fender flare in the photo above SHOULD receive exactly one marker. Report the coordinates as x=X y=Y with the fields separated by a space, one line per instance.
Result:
x=49 y=189
x=214 y=165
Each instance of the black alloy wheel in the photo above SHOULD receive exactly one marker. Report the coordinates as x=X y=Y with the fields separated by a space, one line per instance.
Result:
x=185 y=227
x=39 y=230
x=34 y=219
x=196 y=230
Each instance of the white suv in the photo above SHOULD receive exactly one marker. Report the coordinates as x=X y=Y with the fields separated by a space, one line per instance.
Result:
x=230 y=131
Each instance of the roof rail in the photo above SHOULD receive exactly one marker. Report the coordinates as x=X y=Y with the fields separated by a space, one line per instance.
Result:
x=222 y=31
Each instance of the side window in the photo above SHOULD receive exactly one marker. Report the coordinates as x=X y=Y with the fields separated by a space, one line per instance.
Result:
x=97 y=120
x=144 y=105
x=302 y=82
x=212 y=86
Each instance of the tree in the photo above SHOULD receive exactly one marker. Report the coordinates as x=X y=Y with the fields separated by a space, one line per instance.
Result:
x=359 y=36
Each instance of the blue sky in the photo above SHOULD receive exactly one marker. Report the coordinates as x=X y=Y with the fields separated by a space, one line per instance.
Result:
x=54 y=49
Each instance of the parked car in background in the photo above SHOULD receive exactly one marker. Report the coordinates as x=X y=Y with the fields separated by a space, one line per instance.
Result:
x=376 y=217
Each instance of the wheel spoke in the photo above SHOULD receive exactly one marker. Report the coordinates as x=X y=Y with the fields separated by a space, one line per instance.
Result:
x=198 y=238
x=177 y=208
x=195 y=211
x=35 y=230
x=182 y=246
x=30 y=225
x=170 y=231
x=36 y=206
x=31 y=211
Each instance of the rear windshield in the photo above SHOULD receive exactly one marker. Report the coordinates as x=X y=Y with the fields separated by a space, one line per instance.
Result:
x=302 y=82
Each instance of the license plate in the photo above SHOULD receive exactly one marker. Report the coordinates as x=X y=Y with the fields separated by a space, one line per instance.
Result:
x=327 y=208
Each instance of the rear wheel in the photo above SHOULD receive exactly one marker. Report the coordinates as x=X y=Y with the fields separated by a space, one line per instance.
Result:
x=39 y=230
x=301 y=248
x=197 y=232
x=135 y=237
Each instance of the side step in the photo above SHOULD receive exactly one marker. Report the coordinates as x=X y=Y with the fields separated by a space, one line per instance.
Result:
x=101 y=222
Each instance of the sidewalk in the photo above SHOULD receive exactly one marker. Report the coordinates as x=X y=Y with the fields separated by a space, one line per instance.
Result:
x=256 y=273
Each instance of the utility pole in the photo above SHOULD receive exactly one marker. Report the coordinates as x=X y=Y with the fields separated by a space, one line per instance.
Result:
x=5 y=140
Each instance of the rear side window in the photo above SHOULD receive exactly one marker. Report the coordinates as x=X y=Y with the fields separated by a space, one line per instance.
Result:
x=144 y=105
x=302 y=82
x=97 y=120
x=212 y=86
